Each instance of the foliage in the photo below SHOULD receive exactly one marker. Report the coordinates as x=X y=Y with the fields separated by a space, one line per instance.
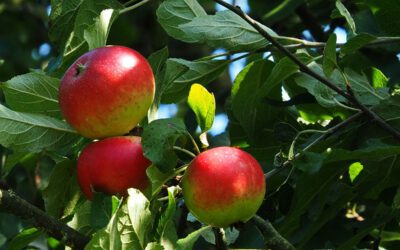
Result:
x=332 y=175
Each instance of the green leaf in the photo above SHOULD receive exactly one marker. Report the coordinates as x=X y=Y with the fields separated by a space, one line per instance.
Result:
x=157 y=61
x=282 y=10
x=225 y=29
x=33 y=132
x=188 y=241
x=356 y=43
x=396 y=199
x=128 y=227
x=167 y=215
x=157 y=178
x=379 y=80
x=310 y=162
x=329 y=59
x=139 y=214
x=154 y=246
x=354 y=170
x=93 y=215
x=168 y=74
x=24 y=238
x=70 y=19
x=202 y=72
x=386 y=13
x=13 y=159
x=62 y=16
x=62 y=193
x=158 y=140
x=326 y=97
x=249 y=106
x=34 y=93
x=172 y=13
x=96 y=34
x=88 y=14
x=346 y=14
x=202 y=103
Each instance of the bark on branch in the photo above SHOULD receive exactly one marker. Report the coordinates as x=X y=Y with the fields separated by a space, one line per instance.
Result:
x=12 y=203
x=305 y=69
x=272 y=239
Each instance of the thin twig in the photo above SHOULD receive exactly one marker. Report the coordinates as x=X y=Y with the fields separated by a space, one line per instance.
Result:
x=325 y=135
x=272 y=238
x=14 y=204
x=220 y=243
x=305 y=69
x=135 y=6
x=184 y=151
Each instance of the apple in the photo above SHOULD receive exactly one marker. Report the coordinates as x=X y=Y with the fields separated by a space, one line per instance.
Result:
x=107 y=91
x=113 y=165
x=223 y=185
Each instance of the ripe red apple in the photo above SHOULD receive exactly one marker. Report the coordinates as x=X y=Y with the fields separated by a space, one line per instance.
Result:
x=223 y=185
x=107 y=91
x=112 y=166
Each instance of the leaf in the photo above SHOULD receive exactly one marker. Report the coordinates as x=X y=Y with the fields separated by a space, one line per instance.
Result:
x=62 y=193
x=310 y=162
x=128 y=226
x=93 y=215
x=21 y=240
x=386 y=13
x=329 y=59
x=33 y=132
x=346 y=14
x=70 y=19
x=139 y=214
x=62 y=16
x=364 y=91
x=158 y=140
x=202 y=103
x=188 y=241
x=202 y=72
x=34 y=93
x=154 y=246
x=164 y=79
x=356 y=43
x=157 y=61
x=379 y=80
x=354 y=170
x=167 y=216
x=96 y=34
x=328 y=98
x=172 y=13
x=226 y=29
x=254 y=83
x=283 y=10
x=88 y=14
x=157 y=178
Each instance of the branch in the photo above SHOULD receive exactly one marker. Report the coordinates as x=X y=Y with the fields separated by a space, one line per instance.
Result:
x=325 y=135
x=305 y=69
x=14 y=204
x=272 y=239
x=220 y=243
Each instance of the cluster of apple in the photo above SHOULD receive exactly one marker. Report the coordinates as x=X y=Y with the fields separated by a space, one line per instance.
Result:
x=103 y=95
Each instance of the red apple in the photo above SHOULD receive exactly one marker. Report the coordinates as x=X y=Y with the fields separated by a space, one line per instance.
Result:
x=107 y=91
x=112 y=166
x=223 y=185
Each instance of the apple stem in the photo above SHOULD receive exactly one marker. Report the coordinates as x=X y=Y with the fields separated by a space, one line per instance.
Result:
x=79 y=69
x=196 y=147
x=220 y=243
x=184 y=151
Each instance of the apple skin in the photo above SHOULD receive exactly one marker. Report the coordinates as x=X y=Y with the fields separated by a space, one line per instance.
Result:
x=107 y=91
x=223 y=185
x=112 y=166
